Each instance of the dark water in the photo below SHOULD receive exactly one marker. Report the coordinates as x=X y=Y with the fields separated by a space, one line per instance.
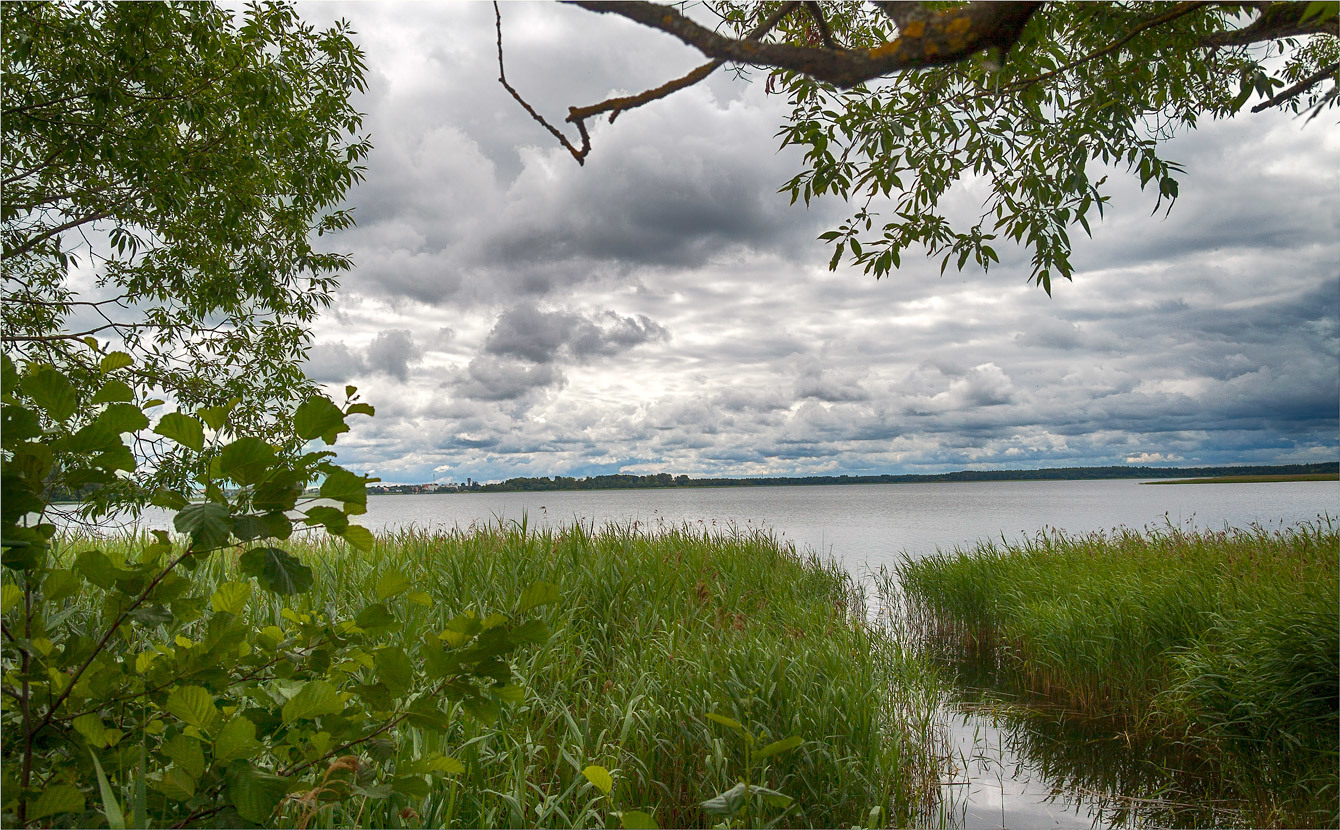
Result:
x=1011 y=771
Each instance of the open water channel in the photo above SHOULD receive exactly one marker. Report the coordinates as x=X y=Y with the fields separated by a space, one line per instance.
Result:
x=1007 y=775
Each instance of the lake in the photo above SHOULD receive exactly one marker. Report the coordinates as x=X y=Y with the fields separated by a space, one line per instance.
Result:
x=868 y=526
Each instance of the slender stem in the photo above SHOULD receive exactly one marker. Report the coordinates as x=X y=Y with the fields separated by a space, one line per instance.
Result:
x=102 y=644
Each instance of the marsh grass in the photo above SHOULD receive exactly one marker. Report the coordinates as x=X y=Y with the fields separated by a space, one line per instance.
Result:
x=1226 y=644
x=654 y=631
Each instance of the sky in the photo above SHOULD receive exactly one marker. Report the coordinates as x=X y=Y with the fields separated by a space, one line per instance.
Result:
x=664 y=309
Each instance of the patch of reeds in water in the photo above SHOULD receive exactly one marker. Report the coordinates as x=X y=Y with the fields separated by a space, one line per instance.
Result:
x=1224 y=644
x=654 y=630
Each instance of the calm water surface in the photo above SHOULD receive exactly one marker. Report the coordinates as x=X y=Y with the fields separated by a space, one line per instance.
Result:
x=867 y=526
x=864 y=526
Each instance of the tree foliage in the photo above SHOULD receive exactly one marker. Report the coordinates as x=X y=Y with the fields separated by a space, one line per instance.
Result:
x=166 y=169
x=140 y=685
x=901 y=107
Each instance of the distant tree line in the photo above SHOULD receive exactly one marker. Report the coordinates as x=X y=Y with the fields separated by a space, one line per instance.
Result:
x=623 y=481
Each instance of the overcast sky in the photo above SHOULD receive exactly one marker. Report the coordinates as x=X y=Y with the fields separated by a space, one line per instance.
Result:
x=663 y=309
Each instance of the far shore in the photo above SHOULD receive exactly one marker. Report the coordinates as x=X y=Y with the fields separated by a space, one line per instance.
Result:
x=1251 y=479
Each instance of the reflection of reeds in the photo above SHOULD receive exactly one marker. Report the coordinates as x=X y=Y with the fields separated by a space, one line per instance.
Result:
x=654 y=629
x=1216 y=654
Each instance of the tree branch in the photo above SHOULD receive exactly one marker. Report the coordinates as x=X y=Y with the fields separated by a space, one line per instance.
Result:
x=615 y=106
x=1299 y=88
x=1277 y=20
x=946 y=38
x=816 y=12
x=579 y=155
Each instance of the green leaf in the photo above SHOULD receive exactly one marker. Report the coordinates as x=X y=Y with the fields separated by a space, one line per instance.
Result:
x=217 y=416
x=777 y=747
x=111 y=807
x=637 y=820
x=728 y=803
x=315 y=417
x=177 y=784
x=10 y=595
x=168 y=499
x=92 y=728
x=374 y=616
x=231 y=597
x=359 y=537
x=332 y=518
x=315 y=698
x=97 y=568
x=277 y=571
x=115 y=360
x=114 y=391
x=599 y=778
x=192 y=705
x=236 y=741
x=52 y=391
x=342 y=485
x=123 y=417
x=208 y=525
x=255 y=794
x=530 y=631
x=183 y=429
x=725 y=721
x=273 y=525
x=246 y=460
x=392 y=583
x=537 y=594
x=56 y=798
x=394 y=669
x=187 y=753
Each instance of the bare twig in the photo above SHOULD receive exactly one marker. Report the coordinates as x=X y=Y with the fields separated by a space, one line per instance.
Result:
x=579 y=155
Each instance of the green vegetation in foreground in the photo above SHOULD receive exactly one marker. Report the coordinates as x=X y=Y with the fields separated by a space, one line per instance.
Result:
x=1227 y=642
x=1250 y=479
x=650 y=634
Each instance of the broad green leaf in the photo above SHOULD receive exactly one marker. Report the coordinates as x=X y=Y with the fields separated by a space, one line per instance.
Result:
x=10 y=595
x=92 y=728
x=52 y=391
x=537 y=594
x=177 y=784
x=123 y=417
x=55 y=798
x=97 y=568
x=183 y=429
x=332 y=518
x=359 y=537
x=394 y=669
x=342 y=485
x=231 y=597
x=420 y=597
x=255 y=794
x=315 y=417
x=236 y=741
x=115 y=360
x=193 y=705
x=530 y=631
x=187 y=753
x=114 y=391
x=599 y=778
x=168 y=499
x=727 y=803
x=777 y=747
x=483 y=709
x=246 y=460
x=250 y=527
x=509 y=693
x=217 y=416
x=276 y=570
x=208 y=525
x=637 y=820
x=375 y=616
x=392 y=583
x=315 y=698
x=111 y=807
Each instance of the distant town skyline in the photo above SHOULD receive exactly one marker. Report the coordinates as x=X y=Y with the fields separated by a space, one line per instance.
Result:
x=664 y=309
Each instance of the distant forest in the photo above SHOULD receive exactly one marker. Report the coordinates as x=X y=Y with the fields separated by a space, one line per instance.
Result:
x=622 y=481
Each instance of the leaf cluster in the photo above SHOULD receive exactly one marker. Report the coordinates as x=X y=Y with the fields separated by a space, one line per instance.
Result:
x=183 y=683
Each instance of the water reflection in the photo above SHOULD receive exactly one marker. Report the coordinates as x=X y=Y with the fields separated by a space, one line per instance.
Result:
x=1029 y=762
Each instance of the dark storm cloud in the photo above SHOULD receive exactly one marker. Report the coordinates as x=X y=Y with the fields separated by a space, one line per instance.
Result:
x=1209 y=336
x=390 y=353
x=528 y=332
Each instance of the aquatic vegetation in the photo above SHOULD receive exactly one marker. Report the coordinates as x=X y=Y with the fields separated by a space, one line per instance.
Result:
x=1227 y=643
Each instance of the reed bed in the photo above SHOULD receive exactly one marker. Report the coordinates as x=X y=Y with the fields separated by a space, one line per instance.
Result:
x=654 y=630
x=1227 y=643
